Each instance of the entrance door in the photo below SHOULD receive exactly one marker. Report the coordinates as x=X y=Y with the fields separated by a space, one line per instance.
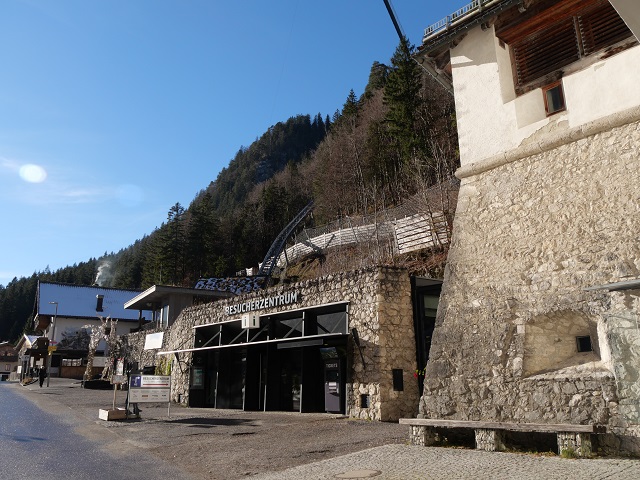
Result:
x=295 y=379
x=283 y=379
x=312 y=380
x=231 y=376
x=290 y=379
x=255 y=378
x=426 y=295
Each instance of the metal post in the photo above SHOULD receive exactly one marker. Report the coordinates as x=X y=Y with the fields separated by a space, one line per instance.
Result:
x=53 y=336
x=169 y=405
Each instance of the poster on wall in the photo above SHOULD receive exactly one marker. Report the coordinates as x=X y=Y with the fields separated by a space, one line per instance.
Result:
x=153 y=341
x=74 y=339
x=99 y=361
x=197 y=378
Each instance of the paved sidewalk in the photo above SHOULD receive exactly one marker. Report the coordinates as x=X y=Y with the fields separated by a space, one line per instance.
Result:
x=407 y=462
x=232 y=444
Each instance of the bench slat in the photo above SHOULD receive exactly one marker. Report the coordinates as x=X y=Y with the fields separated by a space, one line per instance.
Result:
x=521 y=427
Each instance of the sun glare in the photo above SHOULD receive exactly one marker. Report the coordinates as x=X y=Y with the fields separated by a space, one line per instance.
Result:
x=33 y=173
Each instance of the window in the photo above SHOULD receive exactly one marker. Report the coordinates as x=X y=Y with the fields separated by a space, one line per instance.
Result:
x=164 y=321
x=584 y=344
x=324 y=320
x=398 y=381
x=71 y=362
x=553 y=98
x=549 y=40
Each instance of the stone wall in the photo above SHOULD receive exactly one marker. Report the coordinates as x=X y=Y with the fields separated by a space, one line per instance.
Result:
x=379 y=308
x=529 y=236
x=133 y=346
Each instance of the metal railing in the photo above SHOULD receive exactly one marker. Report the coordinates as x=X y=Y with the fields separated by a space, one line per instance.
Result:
x=269 y=262
x=427 y=222
x=466 y=11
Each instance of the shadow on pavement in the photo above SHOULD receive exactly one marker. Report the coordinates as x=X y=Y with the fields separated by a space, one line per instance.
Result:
x=211 y=422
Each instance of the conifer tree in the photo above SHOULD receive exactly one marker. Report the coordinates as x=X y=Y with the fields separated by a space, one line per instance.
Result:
x=350 y=107
x=203 y=246
x=172 y=246
x=402 y=97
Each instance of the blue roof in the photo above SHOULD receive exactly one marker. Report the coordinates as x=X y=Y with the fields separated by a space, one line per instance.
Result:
x=81 y=301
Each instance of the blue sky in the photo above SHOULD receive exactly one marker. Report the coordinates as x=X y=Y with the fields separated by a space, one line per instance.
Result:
x=112 y=111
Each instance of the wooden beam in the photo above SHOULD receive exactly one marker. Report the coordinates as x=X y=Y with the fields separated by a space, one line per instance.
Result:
x=520 y=427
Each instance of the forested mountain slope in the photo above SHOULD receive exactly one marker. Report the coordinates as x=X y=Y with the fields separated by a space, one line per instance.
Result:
x=395 y=140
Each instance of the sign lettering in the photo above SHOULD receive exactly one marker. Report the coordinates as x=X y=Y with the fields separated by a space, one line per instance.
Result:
x=262 y=303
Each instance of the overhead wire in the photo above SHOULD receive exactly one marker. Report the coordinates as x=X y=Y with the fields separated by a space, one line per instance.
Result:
x=427 y=68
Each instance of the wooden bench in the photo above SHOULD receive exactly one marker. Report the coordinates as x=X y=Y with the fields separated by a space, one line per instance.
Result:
x=490 y=436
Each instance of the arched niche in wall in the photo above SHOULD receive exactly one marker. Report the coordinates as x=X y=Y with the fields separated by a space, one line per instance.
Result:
x=561 y=339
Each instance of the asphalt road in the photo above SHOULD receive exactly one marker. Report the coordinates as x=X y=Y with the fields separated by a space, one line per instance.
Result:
x=35 y=444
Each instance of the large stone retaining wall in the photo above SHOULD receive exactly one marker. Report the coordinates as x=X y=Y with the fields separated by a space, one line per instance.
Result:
x=379 y=308
x=529 y=237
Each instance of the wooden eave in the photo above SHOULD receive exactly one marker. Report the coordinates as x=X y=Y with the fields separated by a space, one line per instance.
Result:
x=513 y=25
x=42 y=322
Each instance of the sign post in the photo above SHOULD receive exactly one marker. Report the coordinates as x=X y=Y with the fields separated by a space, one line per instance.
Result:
x=50 y=350
x=116 y=379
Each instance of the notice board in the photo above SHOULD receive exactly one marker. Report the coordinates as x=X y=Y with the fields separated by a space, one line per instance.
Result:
x=149 y=388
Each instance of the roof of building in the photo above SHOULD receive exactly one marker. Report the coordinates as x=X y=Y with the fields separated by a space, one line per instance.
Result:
x=475 y=13
x=235 y=285
x=81 y=301
x=29 y=340
x=8 y=345
x=154 y=297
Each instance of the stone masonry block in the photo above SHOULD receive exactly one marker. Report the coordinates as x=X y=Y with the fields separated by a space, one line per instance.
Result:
x=490 y=440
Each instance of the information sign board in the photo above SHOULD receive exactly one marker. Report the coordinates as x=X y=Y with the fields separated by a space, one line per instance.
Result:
x=149 y=388
x=150 y=381
x=148 y=395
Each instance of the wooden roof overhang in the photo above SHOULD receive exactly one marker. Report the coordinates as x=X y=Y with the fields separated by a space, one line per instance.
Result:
x=153 y=297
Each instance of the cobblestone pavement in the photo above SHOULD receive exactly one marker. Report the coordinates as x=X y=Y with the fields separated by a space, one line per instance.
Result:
x=407 y=462
x=232 y=444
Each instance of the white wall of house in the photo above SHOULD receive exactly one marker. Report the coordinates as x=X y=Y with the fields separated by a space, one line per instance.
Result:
x=493 y=120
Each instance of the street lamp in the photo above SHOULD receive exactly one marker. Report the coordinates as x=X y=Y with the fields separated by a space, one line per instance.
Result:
x=53 y=336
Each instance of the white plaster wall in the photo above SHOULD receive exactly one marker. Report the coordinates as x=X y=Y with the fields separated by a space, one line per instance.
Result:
x=603 y=88
x=493 y=120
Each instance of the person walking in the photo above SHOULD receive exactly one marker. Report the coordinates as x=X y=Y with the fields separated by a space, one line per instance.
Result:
x=42 y=374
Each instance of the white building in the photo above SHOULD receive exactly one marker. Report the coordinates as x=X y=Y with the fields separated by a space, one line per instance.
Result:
x=65 y=314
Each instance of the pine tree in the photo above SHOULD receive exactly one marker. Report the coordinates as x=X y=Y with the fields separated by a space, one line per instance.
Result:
x=173 y=244
x=350 y=107
x=152 y=265
x=203 y=247
x=402 y=97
